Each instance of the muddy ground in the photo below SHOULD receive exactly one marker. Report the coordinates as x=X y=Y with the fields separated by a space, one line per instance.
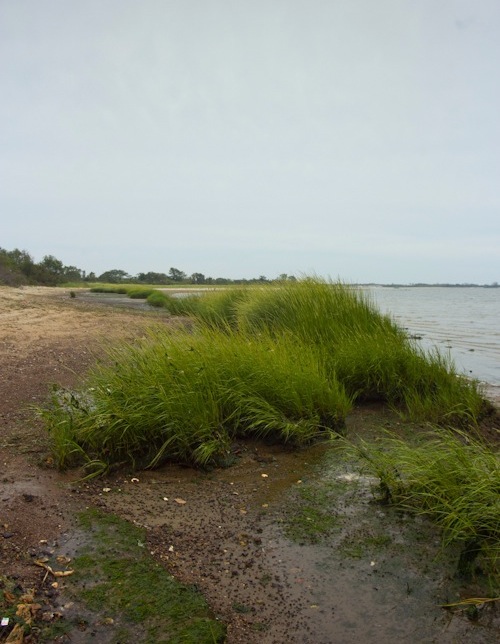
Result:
x=240 y=534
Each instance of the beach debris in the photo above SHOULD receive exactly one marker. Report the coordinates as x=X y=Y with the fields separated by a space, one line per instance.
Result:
x=165 y=498
x=55 y=573
x=180 y=501
x=26 y=611
x=134 y=480
x=472 y=601
x=265 y=476
x=63 y=560
x=16 y=635
x=106 y=489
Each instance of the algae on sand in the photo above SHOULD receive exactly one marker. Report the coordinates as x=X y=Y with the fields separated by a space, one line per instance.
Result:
x=121 y=588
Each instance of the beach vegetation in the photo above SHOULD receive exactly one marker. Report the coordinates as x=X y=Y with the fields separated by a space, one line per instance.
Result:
x=285 y=361
x=185 y=395
x=447 y=476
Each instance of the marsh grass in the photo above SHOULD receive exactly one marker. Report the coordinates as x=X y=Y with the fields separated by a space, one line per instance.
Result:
x=185 y=396
x=450 y=478
x=364 y=349
x=219 y=309
x=281 y=361
x=110 y=288
x=214 y=308
x=140 y=293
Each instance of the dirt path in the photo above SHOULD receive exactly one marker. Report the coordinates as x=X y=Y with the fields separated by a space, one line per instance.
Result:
x=374 y=577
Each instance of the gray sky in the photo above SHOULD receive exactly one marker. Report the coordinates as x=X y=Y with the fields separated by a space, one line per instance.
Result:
x=357 y=139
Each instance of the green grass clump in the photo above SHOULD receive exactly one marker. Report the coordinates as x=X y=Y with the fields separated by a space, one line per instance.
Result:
x=158 y=299
x=184 y=396
x=449 y=477
x=175 y=305
x=214 y=308
x=364 y=349
x=140 y=292
x=326 y=313
x=221 y=308
x=109 y=288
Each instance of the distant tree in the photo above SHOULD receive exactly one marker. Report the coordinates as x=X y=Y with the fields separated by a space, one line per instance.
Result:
x=198 y=278
x=10 y=272
x=90 y=277
x=153 y=278
x=73 y=274
x=114 y=276
x=49 y=272
x=21 y=260
x=176 y=275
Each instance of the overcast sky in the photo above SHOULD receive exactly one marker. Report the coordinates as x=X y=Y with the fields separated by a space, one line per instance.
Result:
x=357 y=139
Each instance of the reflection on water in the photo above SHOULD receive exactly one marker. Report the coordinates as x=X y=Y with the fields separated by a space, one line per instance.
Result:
x=464 y=322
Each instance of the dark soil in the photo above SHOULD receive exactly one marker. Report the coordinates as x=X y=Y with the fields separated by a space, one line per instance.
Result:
x=258 y=538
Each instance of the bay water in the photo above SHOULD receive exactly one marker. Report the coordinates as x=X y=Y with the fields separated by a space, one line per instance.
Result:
x=462 y=322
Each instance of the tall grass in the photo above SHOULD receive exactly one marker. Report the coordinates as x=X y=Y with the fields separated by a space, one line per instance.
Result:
x=370 y=354
x=315 y=310
x=286 y=360
x=450 y=478
x=185 y=396
x=214 y=308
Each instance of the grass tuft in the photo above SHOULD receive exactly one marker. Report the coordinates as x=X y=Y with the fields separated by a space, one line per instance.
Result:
x=449 y=477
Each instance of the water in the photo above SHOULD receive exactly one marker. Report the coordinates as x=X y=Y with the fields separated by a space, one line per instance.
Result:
x=461 y=322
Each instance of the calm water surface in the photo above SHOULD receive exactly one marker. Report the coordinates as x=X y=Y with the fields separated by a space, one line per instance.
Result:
x=464 y=322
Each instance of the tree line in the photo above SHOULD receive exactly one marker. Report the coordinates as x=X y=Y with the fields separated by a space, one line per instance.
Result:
x=18 y=268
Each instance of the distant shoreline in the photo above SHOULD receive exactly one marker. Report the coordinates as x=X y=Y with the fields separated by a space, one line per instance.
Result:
x=423 y=285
